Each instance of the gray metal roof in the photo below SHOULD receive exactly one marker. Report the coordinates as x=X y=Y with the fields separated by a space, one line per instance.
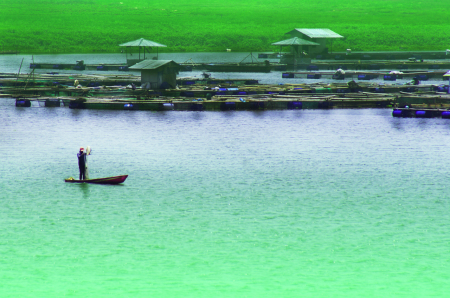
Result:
x=141 y=43
x=317 y=33
x=295 y=42
x=152 y=64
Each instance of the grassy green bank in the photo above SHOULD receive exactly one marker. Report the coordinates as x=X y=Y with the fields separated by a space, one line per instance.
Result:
x=67 y=26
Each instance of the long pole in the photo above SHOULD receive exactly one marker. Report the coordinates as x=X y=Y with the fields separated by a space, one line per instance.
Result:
x=19 y=70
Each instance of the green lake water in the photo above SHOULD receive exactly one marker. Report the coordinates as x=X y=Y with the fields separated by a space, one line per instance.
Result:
x=304 y=203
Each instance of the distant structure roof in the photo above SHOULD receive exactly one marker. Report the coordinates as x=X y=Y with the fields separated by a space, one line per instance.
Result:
x=152 y=64
x=142 y=43
x=295 y=41
x=317 y=33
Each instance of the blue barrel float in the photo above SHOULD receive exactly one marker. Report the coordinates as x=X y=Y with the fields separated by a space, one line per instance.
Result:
x=422 y=114
x=445 y=114
x=397 y=113
x=287 y=75
x=129 y=106
x=441 y=88
x=367 y=77
x=24 y=103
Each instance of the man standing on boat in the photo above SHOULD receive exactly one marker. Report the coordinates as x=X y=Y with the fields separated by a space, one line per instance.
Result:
x=82 y=163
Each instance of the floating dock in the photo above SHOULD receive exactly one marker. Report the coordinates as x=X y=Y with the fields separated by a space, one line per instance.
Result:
x=368 y=55
x=215 y=104
x=367 y=75
x=421 y=113
x=214 y=67
x=119 y=92
x=252 y=67
x=79 y=66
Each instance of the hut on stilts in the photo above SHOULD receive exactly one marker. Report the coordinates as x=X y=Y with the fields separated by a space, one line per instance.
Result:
x=320 y=36
x=144 y=45
x=299 y=49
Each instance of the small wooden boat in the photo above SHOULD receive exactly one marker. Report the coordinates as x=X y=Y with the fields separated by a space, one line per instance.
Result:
x=106 y=180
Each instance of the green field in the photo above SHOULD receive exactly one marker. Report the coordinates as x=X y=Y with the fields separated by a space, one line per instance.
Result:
x=69 y=26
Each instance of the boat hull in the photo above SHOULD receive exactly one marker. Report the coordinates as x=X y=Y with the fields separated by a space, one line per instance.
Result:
x=105 y=180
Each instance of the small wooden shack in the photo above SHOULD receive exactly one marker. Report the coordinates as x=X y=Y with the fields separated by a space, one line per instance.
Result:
x=319 y=36
x=158 y=74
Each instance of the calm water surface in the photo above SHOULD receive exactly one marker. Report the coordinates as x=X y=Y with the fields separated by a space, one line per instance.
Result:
x=311 y=203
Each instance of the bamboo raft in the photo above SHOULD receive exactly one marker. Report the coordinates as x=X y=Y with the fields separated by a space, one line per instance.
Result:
x=116 y=92
x=368 y=75
x=252 y=102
